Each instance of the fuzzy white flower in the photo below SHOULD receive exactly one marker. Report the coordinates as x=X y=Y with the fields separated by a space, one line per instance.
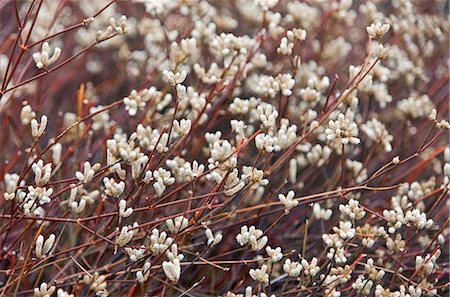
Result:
x=162 y=178
x=144 y=273
x=137 y=100
x=292 y=269
x=260 y=275
x=343 y=129
x=352 y=210
x=135 y=254
x=212 y=239
x=252 y=237
x=175 y=78
x=254 y=177
x=172 y=269
x=11 y=180
x=182 y=127
x=377 y=30
x=43 y=248
x=43 y=59
x=126 y=235
x=191 y=171
x=345 y=230
x=44 y=291
x=124 y=212
x=159 y=242
x=321 y=213
x=37 y=129
x=275 y=254
x=177 y=224
x=88 y=172
x=288 y=201
x=113 y=188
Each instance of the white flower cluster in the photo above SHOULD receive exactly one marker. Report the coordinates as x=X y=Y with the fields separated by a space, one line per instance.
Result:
x=252 y=237
x=43 y=59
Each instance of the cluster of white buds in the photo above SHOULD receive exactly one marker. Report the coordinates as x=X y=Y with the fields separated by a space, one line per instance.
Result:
x=126 y=234
x=274 y=254
x=76 y=207
x=267 y=115
x=159 y=242
x=395 y=219
x=151 y=138
x=370 y=233
x=288 y=201
x=287 y=43
x=252 y=237
x=172 y=269
x=163 y=179
x=233 y=183
x=101 y=119
x=43 y=248
x=113 y=188
x=338 y=254
x=352 y=210
x=37 y=129
x=371 y=272
x=114 y=28
x=62 y=293
x=310 y=95
x=260 y=275
x=321 y=213
x=119 y=148
x=175 y=78
x=56 y=153
x=43 y=58
x=418 y=219
x=343 y=129
x=177 y=224
x=443 y=124
x=27 y=114
x=427 y=265
x=44 y=291
x=181 y=92
x=345 y=230
x=292 y=268
x=377 y=30
x=42 y=172
x=11 y=180
x=397 y=245
x=137 y=100
x=135 y=254
x=191 y=171
x=124 y=212
x=285 y=83
x=88 y=172
x=296 y=34
x=316 y=155
x=265 y=142
x=212 y=239
x=285 y=47
x=36 y=196
x=376 y=131
x=266 y=4
x=254 y=177
x=310 y=268
x=182 y=127
x=138 y=166
x=362 y=285
x=96 y=282
x=144 y=273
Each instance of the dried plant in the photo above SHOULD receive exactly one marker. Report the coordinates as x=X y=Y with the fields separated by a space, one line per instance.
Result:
x=224 y=148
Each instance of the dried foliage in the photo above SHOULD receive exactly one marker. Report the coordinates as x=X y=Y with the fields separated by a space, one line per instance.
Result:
x=224 y=148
